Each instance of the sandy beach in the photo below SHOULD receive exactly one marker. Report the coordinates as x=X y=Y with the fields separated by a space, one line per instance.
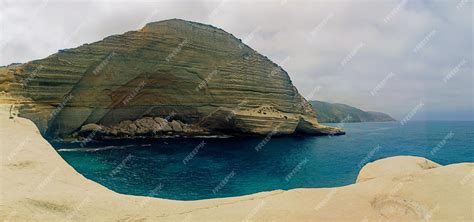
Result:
x=38 y=185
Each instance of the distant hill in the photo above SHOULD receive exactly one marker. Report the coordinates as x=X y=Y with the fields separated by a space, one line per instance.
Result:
x=336 y=112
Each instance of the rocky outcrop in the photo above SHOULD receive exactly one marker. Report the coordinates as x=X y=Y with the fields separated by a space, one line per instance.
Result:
x=144 y=127
x=177 y=70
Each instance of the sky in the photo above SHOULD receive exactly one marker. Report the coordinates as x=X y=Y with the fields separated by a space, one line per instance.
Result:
x=411 y=59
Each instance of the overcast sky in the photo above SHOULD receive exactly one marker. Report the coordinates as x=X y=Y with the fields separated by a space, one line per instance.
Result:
x=394 y=56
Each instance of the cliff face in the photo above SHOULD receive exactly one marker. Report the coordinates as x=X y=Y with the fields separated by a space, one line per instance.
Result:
x=196 y=74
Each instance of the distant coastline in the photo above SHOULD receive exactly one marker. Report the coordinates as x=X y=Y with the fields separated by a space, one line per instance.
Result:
x=337 y=113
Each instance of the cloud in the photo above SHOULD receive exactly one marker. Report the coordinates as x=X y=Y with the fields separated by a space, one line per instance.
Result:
x=421 y=42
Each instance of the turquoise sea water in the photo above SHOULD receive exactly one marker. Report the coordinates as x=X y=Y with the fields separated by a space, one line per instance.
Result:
x=190 y=169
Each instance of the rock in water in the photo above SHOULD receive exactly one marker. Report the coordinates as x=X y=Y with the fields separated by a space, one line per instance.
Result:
x=174 y=69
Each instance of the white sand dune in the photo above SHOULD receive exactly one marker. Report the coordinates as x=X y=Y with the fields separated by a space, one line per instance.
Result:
x=38 y=185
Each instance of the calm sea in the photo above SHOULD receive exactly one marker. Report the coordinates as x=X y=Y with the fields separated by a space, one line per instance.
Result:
x=190 y=169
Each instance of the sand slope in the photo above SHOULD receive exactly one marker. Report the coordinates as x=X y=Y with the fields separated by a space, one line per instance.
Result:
x=38 y=185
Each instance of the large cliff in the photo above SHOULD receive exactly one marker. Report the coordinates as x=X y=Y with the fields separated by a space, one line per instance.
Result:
x=137 y=83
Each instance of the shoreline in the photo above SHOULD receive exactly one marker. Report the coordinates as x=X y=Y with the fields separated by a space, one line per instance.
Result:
x=41 y=186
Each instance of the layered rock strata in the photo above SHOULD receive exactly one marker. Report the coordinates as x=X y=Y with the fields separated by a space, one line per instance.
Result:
x=197 y=74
